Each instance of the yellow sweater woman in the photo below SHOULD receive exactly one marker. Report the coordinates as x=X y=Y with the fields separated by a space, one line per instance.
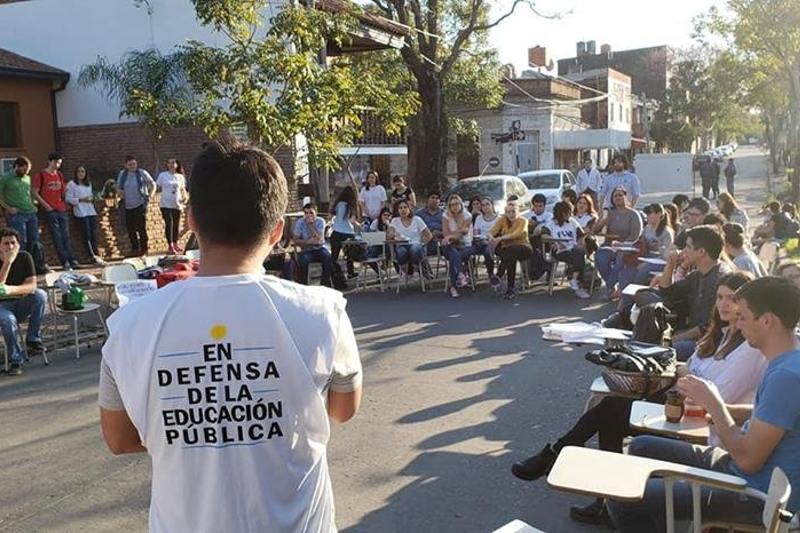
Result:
x=509 y=239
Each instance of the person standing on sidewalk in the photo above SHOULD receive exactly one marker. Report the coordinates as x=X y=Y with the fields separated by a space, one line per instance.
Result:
x=48 y=190
x=135 y=185
x=589 y=180
x=15 y=198
x=172 y=185
x=253 y=457
x=81 y=197
x=730 y=176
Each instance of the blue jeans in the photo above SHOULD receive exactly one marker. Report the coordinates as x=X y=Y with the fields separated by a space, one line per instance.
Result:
x=317 y=255
x=650 y=513
x=456 y=259
x=14 y=311
x=27 y=225
x=59 y=228
x=483 y=248
x=609 y=264
x=88 y=226
x=410 y=254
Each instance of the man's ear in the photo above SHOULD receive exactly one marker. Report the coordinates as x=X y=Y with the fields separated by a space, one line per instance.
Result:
x=277 y=232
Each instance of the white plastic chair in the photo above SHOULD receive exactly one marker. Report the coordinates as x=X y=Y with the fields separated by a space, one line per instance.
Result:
x=120 y=273
x=137 y=262
x=768 y=255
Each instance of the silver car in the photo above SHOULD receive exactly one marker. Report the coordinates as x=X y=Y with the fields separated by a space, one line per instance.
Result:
x=551 y=183
x=496 y=187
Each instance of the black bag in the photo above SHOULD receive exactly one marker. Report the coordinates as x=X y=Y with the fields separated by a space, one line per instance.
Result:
x=652 y=325
x=338 y=279
x=655 y=360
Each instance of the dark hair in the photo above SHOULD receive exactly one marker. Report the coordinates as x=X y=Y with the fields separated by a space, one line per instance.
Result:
x=673 y=214
x=733 y=234
x=620 y=157
x=709 y=343
x=434 y=193
x=396 y=178
x=775 y=295
x=85 y=172
x=129 y=158
x=790 y=209
x=512 y=198
x=539 y=198
x=679 y=199
x=22 y=161
x=310 y=205
x=474 y=199
x=788 y=264
x=571 y=195
x=238 y=192
x=714 y=219
x=377 y=179
x=561 y=212
x=9 y=232
x=699 y=203
x=585 y=159
x=54 y=156
x=664 y=222
x=408 y=205
x=178 y=166
x=349 y=197
x=381 y=224
x=706 y=238
x=773 y=206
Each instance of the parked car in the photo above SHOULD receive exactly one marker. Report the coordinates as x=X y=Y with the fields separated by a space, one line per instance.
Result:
x=551 y=183
x=497 y=187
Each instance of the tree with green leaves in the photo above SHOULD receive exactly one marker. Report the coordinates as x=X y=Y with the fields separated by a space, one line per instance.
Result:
x=449 y=63
x=148 y=86
x=765 y=36
x=276 y=81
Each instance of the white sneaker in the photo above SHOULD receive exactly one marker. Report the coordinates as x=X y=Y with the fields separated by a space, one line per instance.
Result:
x=574 y=285
x=461 y=280
x=582 y=294
x=453 y=292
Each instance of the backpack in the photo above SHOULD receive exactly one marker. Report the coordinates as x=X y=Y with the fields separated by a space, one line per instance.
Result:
x=143 y=190
x=651 y=325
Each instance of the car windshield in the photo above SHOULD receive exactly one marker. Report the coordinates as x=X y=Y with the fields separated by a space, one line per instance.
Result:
x=542 y=181
x=485 y=189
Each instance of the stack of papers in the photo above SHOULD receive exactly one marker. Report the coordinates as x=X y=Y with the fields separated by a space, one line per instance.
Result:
x=582 y=333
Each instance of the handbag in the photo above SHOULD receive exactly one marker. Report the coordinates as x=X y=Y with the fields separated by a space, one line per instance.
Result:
x=641 y=370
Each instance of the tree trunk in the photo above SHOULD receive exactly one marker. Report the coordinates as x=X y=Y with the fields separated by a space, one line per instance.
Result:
x=428 y=142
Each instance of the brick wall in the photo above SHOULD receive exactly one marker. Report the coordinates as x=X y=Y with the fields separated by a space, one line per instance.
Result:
x=102 y=150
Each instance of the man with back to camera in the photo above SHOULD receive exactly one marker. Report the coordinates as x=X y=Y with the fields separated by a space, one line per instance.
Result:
x=232 y=398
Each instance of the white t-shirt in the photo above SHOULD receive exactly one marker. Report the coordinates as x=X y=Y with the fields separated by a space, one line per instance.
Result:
x=481 y=227
x=74 y=193
x=172 y=186
x=585 y=219
x=449 y=225
x=373 y=199
x=568 y=230
x=228 y=394
x=544 y=218
x=737 y=376
x=413 y=232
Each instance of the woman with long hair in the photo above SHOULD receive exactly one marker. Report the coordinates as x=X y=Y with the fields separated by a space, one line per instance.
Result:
x=509 y=239
x=346 y=219
x=624 y=226
x=658 y=238
x=80 y=196
x=475 y=207
x=730 y=209
x=480 y=234
x=722 y=357
x=172 y=185
x=372 y=197
x=673 y=214
x=586 y=215
x=565 y=231
x=410 y=228
x=457 y=229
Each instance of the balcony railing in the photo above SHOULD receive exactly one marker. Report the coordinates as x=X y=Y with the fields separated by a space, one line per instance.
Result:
x=373 y=132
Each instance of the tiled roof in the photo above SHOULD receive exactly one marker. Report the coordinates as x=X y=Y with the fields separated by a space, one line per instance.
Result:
x=12 y=64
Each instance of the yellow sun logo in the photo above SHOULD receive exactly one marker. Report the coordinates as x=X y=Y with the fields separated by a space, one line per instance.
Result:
x=218 y=332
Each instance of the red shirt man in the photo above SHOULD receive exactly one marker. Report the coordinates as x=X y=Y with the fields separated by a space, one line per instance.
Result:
x=48 y=188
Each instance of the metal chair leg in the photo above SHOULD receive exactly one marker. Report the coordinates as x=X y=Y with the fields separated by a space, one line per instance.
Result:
x=75 y=330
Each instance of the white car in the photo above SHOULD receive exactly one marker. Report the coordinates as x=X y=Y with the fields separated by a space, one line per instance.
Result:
x=551 y=183
x=497 y=187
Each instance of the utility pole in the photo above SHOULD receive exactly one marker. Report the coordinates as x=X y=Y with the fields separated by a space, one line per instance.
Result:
x=647 y=122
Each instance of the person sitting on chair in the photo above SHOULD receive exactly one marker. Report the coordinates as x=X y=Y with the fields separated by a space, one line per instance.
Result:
x=309 y=235
x=19 y=298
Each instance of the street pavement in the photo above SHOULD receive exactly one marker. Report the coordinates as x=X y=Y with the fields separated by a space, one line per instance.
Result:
x=454 y=392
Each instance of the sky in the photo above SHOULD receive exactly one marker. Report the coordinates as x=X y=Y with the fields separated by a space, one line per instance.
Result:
x=624 y=24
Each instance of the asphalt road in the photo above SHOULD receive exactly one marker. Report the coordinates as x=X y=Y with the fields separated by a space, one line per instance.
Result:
x=455 y=391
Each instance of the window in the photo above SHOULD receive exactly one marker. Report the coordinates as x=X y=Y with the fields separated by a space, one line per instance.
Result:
x=9 y=132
